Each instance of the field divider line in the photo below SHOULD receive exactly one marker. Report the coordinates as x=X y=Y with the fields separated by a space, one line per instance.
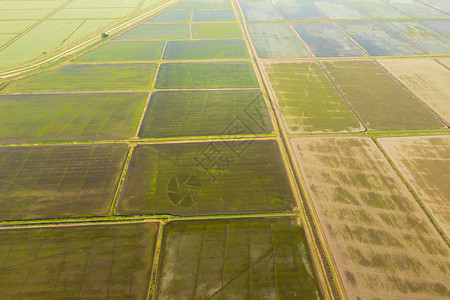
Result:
x=329 y=282
x=400 y=82
x=301 y=40
x=336 y=87
x=351 y=39
x=121 y=182
x=418 y=200
x=15 y=72
x=156 y=259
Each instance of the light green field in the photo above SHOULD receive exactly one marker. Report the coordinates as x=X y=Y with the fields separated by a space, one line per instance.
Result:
x=92 y=13
x=72 y=78
x=86 y=29
x=215 y=49
x=172 y=16
x=213 y=16
x=102 y=3
x=69 y=117
x=157 y=32
x=15 y=26
x=206 y=75
x=5 y=37
x=217 y=4
x=308 y=100
x=35 y=4
x=23 y=14
x=380 y=101
x=124 y=52
x=216 y=31
x=205 y=113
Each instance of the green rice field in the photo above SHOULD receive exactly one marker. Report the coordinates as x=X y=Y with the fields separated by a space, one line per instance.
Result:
x=206 y=178
x=92 y=261
x=236 y=258
x=204 y=113
x=200 y=49
x=216 y=31
x=59 y=181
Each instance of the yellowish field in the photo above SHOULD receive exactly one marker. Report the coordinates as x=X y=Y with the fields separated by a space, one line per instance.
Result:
x=426 y=78
x=445 y=61
x=383 y=244
x=425 y=163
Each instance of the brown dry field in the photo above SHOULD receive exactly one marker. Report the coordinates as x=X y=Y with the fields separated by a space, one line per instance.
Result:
x=383 y=244
x=426 y=78
x=425 y=164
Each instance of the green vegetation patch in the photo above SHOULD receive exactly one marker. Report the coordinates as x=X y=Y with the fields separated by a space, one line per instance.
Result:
x=99 y=77
x=172 y=16
x=87 y=261
x=124 y=52
x=69 y=117
x=203 y=113
x=216 y=31
x=59 y=181
x=236 y=258
x=218 y=4
x=276 y=40
x=214 y=16
x=232 y=177
x=216 y=49
x=206 y=75
x=157 y=32
x=308 y=100
x=381 y=102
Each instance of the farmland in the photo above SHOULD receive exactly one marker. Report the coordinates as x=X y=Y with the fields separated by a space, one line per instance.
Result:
x=381 y=240
x=263 y=149
x=206 y=178
x=47 y=262
x=236 y=258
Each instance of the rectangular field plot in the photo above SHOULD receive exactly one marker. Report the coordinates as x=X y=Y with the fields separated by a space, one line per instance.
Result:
x=380 y=101
x=422 y=36
x=59 y=181
x=425 y=163
x=206 y=75
x=441 y=26
x=215 y=49
x=307 y=99
x=276 y=40
x=338 y=9
x=23 y=14
x=426 y=78
x=124 y=52
x=164 y=32
x=213 y=16
x=206 y=178
x=172 y=16
x=92 y=13
x=216 y=31
x=204 y=113
x=72 y=78
x=15 y=26
x=326 y=40
x=377 y=40
x=298 y=10
x=260 y=11
x=217 y=4
x=382 y=242
x=69 y=117
x=417 y=10
x=84 y=261
x=257 y=258
x=377 y=9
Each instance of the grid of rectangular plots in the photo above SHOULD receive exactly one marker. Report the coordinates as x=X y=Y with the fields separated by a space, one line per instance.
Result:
x=206 y=75
x=78 y=261
x=70 y=117
x=38 y=182
x=380 y=239
x=425 y=163
x=92 y=77
x=380 y=101
x=230 y=177
x=426 y=78
x=236 y=258
x=205 y=113
x=308 y=100
x=276 y=40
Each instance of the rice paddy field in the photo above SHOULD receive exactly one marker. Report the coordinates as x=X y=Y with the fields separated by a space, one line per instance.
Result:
x=225 y=149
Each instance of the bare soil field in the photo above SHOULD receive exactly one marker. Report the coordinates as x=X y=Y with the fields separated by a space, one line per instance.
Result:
x=426 y=78
x=425 y=163
x=382 y=242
